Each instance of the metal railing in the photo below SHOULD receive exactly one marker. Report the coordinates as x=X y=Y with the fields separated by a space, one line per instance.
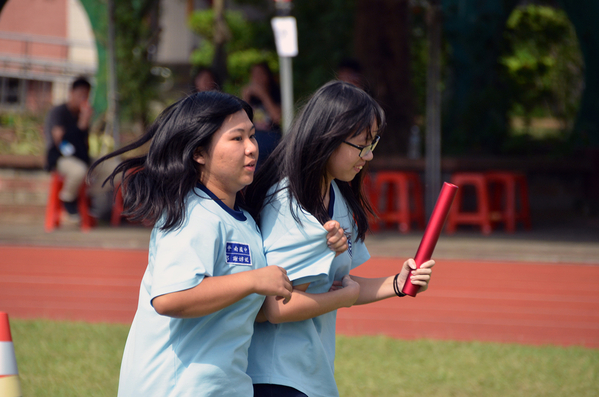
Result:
x=27 y=65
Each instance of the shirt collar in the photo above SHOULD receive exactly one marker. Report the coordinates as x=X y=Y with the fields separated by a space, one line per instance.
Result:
x=235 y=213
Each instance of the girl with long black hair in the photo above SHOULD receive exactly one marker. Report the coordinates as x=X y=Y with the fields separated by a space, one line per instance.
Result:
x=313 y=176
x=207 y=276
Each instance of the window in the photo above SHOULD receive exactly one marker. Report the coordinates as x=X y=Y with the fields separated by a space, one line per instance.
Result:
x=12 y=92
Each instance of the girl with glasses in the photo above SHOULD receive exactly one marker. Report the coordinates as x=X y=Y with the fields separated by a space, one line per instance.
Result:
x=207 y=277
x=313 y=176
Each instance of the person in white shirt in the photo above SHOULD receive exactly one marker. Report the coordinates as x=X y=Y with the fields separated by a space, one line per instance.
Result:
x=314 y=176
x=207 y=277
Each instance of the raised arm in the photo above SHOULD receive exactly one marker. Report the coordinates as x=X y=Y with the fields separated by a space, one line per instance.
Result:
x=273 y=109
x=216 y=293
x=376 y=289
x=85 y=116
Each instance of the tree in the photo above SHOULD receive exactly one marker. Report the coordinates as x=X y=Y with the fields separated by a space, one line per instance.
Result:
x=375 y=32
x=544 y=64
x=136 y=38
x=229 y=46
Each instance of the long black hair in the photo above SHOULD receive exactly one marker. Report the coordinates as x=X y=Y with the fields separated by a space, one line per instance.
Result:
x=156 y=183
x=336 y=112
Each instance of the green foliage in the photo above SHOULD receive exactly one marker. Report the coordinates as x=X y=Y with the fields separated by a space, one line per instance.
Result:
x=239 y=62
x=202 y=23
x=243 y=48
x=203 y=56
x=325 y=37
x=544 y=64
x=57 y=358
x=135 y=44
x=21 y=134
x=100 y=144
x=98 y=18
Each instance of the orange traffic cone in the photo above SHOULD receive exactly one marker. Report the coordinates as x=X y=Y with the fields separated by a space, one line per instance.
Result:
x=9 y=376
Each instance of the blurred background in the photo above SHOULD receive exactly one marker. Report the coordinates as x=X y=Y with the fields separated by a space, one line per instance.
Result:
x=469 y=87
x=514 y=79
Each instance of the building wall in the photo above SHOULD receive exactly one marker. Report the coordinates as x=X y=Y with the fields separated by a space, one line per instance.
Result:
x=44 y=45
x=176 y=40
x=39 y=95
x=55 y=36
x=80 y=34
x=82 y=49
x=34 y=17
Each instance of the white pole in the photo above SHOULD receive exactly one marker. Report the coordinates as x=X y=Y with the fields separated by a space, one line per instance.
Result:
x=285 y=29
x=286 y=74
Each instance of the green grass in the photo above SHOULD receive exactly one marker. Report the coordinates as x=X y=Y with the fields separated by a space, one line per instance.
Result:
x=78 y=359
x=64 y=359
x=380 y=366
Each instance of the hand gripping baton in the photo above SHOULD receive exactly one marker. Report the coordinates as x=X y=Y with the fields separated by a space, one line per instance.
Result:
x=432 y=232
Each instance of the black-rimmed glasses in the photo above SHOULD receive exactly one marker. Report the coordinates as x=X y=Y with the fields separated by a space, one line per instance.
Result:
x=366 y=150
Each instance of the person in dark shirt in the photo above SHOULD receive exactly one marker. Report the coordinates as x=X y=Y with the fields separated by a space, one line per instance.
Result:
x=66 y=130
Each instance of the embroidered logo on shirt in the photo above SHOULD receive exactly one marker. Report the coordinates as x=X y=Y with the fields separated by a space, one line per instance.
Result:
x=239 y=254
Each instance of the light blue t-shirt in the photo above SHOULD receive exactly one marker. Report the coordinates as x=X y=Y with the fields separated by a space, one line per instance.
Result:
x=205 y=356
x=301 y=354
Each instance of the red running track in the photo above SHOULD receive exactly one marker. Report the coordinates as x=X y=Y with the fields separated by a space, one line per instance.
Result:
x=529 y=303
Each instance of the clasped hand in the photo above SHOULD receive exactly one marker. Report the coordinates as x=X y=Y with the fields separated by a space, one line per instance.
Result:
x=336 y=239
x=420 y=276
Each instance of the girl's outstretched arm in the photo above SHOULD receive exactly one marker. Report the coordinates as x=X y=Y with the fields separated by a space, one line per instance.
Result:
x=304 y=305
x=375 y=289
x=216 y=293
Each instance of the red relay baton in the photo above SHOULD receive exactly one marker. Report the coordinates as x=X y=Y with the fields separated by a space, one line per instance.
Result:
x=432 y=232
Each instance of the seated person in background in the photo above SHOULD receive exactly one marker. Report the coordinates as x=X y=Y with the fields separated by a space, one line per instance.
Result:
x=264 y=95
x=66 y=131
x=205 y=80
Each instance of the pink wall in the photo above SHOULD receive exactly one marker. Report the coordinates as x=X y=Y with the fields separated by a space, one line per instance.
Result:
x=34 y=17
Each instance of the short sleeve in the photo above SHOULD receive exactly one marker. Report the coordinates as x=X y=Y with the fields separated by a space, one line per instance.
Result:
x=356 y=250
x=360 y=253
x=183 y=257
x=300 y=249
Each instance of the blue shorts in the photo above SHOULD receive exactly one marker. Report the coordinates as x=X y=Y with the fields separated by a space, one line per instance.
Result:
x=268 y=390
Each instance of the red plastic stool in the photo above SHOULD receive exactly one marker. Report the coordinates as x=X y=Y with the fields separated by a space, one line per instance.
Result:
x=117 y=207
x=482 y=215
x=505 y=188
x=54 y=205
x=397 y=208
